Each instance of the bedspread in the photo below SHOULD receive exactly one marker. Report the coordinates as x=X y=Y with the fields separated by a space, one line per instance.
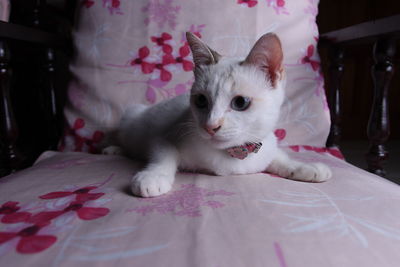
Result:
x=75 y=209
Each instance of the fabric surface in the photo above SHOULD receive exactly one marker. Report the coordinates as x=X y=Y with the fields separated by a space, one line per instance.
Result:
x=135 y=52
x=75 y=209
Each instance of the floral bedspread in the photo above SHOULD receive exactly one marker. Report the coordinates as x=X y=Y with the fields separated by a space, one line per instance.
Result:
x=75 y=209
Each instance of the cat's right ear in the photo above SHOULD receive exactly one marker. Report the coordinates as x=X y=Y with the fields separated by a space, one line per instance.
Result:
x=267 y=56
x=202 y=54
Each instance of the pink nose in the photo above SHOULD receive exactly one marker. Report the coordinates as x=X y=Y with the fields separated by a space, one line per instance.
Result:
x=212 y=129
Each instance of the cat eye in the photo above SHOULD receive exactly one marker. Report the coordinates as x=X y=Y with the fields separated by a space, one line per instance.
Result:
x=200 y=101
x=240 y=103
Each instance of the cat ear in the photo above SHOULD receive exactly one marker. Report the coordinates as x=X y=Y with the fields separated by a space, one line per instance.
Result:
x=202 y=54
x=267 y=55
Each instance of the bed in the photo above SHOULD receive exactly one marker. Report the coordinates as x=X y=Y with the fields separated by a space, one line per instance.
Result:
x=73 y=206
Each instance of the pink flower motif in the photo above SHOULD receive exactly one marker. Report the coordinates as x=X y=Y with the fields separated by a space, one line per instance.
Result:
x=184 y=52
x=86 y=213
x=165 y=75
x=249 y=3
x=29 y=239
x=10 y=213
x=151 y=95
x=81 y=142
x=113 y=6
x=146 y=67
x=307 y=58
x=184 y=202
x=162 y=41
x=161 y=12
x=82 y=194
x=25 y=235
x=279 y=6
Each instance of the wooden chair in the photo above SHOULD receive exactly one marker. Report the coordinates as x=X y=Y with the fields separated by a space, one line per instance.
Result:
x=383 y=33
x=34 y=47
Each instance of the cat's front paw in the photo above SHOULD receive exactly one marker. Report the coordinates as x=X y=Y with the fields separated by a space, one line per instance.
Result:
x=313 y=172
x=151 y=184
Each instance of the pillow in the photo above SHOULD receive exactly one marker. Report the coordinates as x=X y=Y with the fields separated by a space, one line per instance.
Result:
x=130 y=52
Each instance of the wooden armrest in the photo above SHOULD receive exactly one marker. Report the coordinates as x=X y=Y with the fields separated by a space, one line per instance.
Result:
x=29 y=34
x=382 y=33
x=365 y=32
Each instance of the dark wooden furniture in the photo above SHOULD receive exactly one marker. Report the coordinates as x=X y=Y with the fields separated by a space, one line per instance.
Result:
x=383 y=33
x=34 y=48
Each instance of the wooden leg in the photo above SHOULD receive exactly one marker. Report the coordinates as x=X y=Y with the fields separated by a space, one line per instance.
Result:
x=335 y=76
x=378 y=125
x=8 y=126
x=51 y=107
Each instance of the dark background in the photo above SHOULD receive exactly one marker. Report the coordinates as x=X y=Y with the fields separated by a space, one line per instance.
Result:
x=357 y=86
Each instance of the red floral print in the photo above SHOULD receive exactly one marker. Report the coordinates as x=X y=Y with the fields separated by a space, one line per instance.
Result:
x=82 y=194
x=86 y=213
x=184 y=51
x=161 y=41
x=165 y=75
x=113 y=6
x=115 y=3
x=80 y=142
x=11 y=214
x=30 y=241
x=307 y=59
x=146 y=67
x=280 y=3
x=250 y=3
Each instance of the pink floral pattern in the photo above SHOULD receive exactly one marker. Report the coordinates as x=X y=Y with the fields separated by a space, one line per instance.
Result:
x=161 y=12
x=154 y=56
x=28 y=228
x=308 y=58
x=249 y=3
x=113 y=6
x=184 y=202
x=81 y=140
x=279 y=6
x=11 y=213
x=330 y=150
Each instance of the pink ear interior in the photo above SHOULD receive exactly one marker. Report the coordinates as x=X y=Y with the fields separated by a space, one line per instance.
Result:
x=267 y=55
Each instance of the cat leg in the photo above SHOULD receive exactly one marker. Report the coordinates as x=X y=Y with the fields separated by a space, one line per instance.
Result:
x=159 y=175
x=286 y=167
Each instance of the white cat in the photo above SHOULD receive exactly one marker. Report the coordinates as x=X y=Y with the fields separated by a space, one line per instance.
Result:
x=224 y=126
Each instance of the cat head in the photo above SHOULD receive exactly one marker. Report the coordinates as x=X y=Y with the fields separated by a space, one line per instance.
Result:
x=234 y=102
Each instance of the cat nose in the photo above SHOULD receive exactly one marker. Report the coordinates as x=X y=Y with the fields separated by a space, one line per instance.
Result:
x=212 y=129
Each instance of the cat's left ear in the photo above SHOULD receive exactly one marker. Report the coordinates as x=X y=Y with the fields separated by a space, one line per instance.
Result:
x=202 y=54
x=267 y=55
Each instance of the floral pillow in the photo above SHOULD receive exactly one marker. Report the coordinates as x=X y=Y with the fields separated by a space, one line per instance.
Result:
x=131 y=52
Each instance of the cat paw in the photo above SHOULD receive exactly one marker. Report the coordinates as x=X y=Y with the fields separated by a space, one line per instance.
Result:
x=150 y=184
x=314 y=172
x=112 y=150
